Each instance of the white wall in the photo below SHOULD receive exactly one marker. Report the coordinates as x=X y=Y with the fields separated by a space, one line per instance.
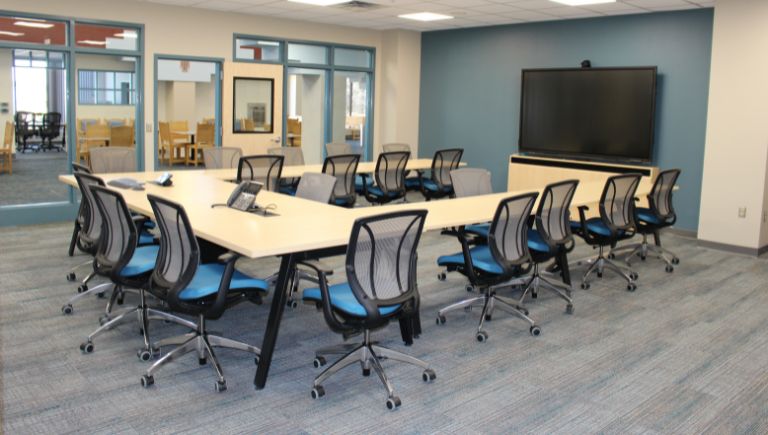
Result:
x=736 y=153
x=6 y=88
x=197 y=32
x=399 y=83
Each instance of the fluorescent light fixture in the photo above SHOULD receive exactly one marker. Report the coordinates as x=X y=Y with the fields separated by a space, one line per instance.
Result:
x=582 y=2
x=320 y=2
x=35 y=24
x=7 y=33
x=127 y=34
x=270 y=43
x=426 y=16
x=128 y=59
x=90 y=42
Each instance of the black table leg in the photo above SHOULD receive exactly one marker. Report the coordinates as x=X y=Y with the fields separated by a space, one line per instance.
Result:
x=273 y=323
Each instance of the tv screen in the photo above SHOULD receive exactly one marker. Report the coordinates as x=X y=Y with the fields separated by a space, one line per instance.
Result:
x=600 y=113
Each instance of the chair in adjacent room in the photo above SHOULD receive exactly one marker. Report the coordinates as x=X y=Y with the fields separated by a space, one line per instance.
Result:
x=6 y=150
x=205 y=137
x=498 y=264
x=50 y=130
x=265 y=169
x=170 y=148
x=650 y=221
x=616 y=222
x=344 y=168
x=205 y=291
x=381 y=287
x=395 y=146
x=389 y=177
x=221 y=158
x=121 y=136
x=127 y=265
x=105 y=160
x=292 y=156
x=551 y=239
x=439 y=184
x=24 y=125
x=96 y=135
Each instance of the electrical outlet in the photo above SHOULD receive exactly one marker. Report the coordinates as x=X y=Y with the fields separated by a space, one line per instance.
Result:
x=149 y=127
x=765 y=216
x=742 y=212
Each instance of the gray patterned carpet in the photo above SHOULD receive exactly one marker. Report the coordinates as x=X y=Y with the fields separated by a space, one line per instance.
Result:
x=686 y=353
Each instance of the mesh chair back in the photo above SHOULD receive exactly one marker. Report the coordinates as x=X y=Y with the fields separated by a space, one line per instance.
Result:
x=316 y=187
x=179 y=252
x=265 y=169
x=338 y=148
x=205 y=135
x=390 y=171
x=471 y=182
x=105 y=160
x=344 y=168
x=118 y=232
x=221 y=158
x=77 y=167
x=392 y=147
x=381 y=257
x=121 y=136
x=292 y=156
x=92 y=224
x=617 y=204
x=553 y=216
x=660 y=198
x=443 y=163
x=508 y=236
x=51 y=124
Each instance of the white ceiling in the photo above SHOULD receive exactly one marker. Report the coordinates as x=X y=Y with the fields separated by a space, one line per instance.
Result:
x=467 y=13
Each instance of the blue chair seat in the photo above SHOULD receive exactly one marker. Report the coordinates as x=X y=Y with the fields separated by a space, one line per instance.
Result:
x=143 y=261
x=359 y=182
x=344 y=300
x=536 y=242
x=432 y=186
x=146 y=239
x=288 y=190
x=208 y=277
x=645 y=215
x=479 y=229
x=412 y=183
x=341 y=201
x=376 y=191
x=596 y=226
x=482 y=259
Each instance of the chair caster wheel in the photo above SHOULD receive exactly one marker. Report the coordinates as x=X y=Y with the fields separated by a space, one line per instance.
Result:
x=317 y=392
x=599 y=274
x=256 y=360
x=675 y=261
x=524 y=310
x=611 y=256
x=470 y=288
x=535 y=331
x=393 y=403
x=144 y=354
x=82 y=288
x=147 y=381
x=67 y=309
x=440 y=320
x=441 y=276
x=669 y=269
x=534 y=295
x=86 y=347
x=71 y=276
x=141 y=331
x=202 y=361
x=631 y=286
x=120 y=300
x=643 y=257
x=481 y=336
x=634 y=276
x=585 y=286
x=366 y=372
x=318 y=362
x=488 y=317
x=428 y=375
x=221 y=386
x=569 y=309
x=100 y=295
x=292 y=304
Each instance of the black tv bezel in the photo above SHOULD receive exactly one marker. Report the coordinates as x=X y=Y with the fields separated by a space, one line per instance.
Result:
x=591 y=156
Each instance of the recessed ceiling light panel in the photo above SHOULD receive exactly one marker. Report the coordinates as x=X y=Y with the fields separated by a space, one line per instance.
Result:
x=7 y=33
x=582 y=2
x=426 y=16
x=35 y=24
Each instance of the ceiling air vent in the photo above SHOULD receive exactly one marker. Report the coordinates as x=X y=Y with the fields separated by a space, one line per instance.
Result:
x=356 y=5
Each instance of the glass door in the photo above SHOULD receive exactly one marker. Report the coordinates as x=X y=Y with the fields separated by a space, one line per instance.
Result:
x=305 y=124
x=351 y=107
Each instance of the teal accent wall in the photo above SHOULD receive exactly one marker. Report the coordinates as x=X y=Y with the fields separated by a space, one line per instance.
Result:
x=470 y=86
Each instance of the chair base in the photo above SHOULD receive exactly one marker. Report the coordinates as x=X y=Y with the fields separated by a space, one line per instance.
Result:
x=537 y=281
x=368 y=354
x=644 y=248
x=490 y=300
x=599 y=264
x=201 y=342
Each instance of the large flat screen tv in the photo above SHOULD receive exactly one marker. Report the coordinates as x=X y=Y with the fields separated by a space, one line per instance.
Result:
x=591 y=113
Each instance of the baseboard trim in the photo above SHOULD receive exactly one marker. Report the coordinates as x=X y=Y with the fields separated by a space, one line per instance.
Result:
x=752 y=252
x=691 y=234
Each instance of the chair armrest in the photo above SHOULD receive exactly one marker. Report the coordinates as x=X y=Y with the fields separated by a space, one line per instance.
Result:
x=228 y=257
x=317 y=266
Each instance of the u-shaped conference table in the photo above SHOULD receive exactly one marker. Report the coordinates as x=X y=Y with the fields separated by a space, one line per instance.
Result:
x=300 y=228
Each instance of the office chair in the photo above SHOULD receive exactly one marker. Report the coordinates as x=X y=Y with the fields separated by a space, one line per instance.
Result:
x=24 y=123
x=79 y=220
x=344 y=168
x=265 y=169
x=205 y=291
x=439 y=184
x=659 y=214
x=221 y=157
x=616 y=222
x=497 y=264
x=293 y=156
x=127 y=265
x=50 y=130
x=338 y=149
x=111 y=159
x=395 y=147
x=381 y=286
x=551 y=238
x=390 y=178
